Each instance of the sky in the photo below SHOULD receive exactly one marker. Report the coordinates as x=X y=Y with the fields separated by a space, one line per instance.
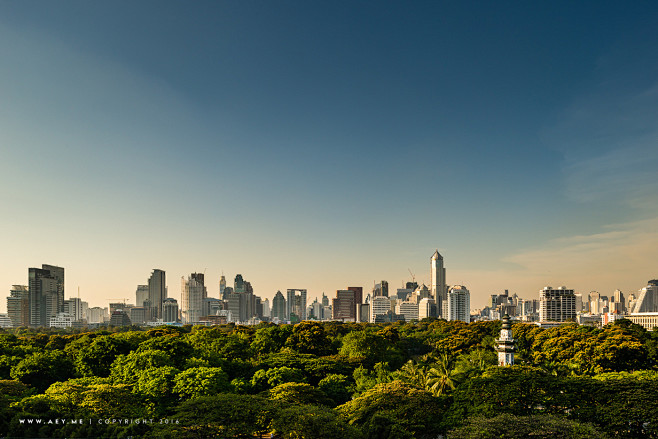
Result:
x=321 y=145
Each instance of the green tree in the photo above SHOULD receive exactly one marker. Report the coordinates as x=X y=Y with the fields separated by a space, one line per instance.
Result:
x=309 y=338
x=507 y=426
x=395 y=410
x=201 y=381
x=310 y=422
x=41 y=369
x=337 y=387
x=298 y=393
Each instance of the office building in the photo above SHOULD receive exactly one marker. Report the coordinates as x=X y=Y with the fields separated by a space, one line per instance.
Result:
x=45 y=288
x=379 y=305
x=279 y=308
x=170 y=310
x=157 y=293
x=344 y=305
x=647 y=299
x=141 y=295
x=193 y=293
x=557 y=305
x=380 y=289
x=222 y=286
x=296 y=304
x=438 y=286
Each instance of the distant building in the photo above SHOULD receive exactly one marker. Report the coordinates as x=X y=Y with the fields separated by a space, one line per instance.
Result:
x=459 y=304
x=193 y=293
x=61 y=320
x=46 y=287
x=438 y=286
x=647 y=299
x=557 y=305
x=157 y=293
x=97 y=315
x=296 y=304
x=344 y=305
x=170 y=310
x=279 y=307
x=427 y=308
x=407 y=309
x=18 y=306
x=120 y=318
x=222 y=286
x=379 y=305
x=380 y=289
x=141 y=295
x=5 y=321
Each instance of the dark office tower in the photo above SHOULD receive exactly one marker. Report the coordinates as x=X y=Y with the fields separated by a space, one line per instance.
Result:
x=296 y=304
x=358 y=293
x=238 y=285
x=344 y=305
x=58 y=274
x=44 y=290
x=279 y=307
x=157 y=293
x=380 y=289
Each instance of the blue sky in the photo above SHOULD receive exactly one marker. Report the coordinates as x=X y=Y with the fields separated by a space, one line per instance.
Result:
x=319 y=145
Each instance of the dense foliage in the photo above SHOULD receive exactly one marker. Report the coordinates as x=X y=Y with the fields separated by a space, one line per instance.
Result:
x=330 y=380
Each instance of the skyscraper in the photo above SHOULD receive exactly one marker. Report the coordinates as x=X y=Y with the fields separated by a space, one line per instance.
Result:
x=222 y=286
x=279 y=308
x=438 y=283
x=296 y=304
x=157 y=292
x=141 y=294
x=58 y=274
x=193 y=293
x=45 y=289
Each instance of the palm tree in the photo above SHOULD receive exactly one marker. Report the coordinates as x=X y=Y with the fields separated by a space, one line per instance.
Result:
x=442 y=377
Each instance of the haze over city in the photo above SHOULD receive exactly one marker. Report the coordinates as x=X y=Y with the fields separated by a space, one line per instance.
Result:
x=319 y=145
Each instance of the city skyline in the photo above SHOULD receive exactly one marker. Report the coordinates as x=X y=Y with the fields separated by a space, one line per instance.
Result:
x=317 y=145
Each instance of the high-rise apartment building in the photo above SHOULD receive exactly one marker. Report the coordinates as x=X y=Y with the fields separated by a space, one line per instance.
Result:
x=18 y=306
x=459 y=304
x=557 y=305
x=157 y=293
x=193 y=293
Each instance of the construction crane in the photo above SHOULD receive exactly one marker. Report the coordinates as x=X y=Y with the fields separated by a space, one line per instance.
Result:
x=413 y=277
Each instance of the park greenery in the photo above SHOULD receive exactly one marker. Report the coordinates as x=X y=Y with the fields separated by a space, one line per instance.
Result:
x=423 y=380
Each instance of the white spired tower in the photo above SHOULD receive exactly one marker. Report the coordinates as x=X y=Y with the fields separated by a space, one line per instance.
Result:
x=505 y=344
x=438 y=283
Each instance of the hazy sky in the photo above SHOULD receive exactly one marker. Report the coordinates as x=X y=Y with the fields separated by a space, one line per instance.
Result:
x=324 y=144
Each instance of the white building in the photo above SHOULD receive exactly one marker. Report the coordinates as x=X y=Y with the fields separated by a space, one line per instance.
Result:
x=647 y=299
x=426 y=308
x=459 y=304
x=62 y=320
x=378 y=306
x=438 y=282
x=409 y=309
x=192 y=294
